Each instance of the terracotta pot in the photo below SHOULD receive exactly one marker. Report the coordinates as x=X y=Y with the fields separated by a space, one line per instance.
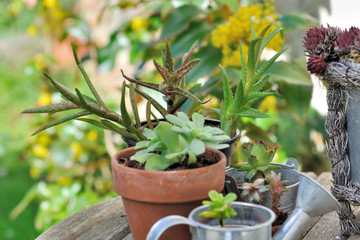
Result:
x=151 y=195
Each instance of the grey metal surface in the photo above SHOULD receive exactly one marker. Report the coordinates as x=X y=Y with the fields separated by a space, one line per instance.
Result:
x=352 y=97
x=288 y=172
x=252 y=222
x=312 y=200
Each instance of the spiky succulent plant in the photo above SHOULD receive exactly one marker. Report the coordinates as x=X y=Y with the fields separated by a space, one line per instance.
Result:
x=173 y=88
x=258 y=159
x=250 y=87
x=252 y=191
x=275 y=185
x=319 y=43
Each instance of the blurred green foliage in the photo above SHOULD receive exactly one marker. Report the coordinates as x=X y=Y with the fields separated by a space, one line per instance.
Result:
x=67 y=169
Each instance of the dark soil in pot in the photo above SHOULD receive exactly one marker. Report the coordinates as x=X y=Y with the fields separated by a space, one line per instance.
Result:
x=279 y=221
x=201 y=161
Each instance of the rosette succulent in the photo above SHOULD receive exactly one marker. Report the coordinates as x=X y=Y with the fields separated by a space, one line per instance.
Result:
x=219 y=206
x=258 y=159
x=169 y=144
x=252 y=191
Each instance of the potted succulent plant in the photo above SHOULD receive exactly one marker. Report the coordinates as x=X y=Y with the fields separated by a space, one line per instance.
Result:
x=251 y=87
x=258 y=165
x=221 y=218
x=182 y=150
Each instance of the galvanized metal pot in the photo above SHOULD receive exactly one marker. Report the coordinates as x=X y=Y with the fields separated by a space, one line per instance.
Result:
x=252 y=222
x=288 y=172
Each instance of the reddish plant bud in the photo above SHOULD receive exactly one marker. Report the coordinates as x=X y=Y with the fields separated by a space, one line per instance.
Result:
x=316 y=65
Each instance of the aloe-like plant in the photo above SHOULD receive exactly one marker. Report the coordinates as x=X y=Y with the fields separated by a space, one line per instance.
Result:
x=258 y=159
x=219 y=206
x=173 y=88
x=250 y=86
x=174 y=143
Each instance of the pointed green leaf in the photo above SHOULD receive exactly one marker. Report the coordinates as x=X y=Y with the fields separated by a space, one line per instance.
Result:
x=153 y=86
x=227 y=93
x=263 y=69
x=121 y=131
x=259 y=151
x=157 y=105
x=253 y=161
x=243 y=79
x=239 y=98
x=250 y=174
x=270 y=36
x=252 y=58
x=167 y=59
x=134 y=105
x=93 y=122
x=179 y=73
x=260 y=84
x=163 y=72
x=187 y=94
x=256 y=95
x=124 y=113
x=52 y=108
x=251 y=113
x=88 y=82
x=62 y=120
x=252 y=28
x=187 y=55
x=69 y=95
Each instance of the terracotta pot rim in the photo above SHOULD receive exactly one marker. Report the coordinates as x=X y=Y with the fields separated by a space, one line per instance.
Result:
x=161 y=172
x=168 y=186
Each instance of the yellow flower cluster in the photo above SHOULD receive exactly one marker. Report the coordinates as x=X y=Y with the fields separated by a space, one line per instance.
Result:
x=139 y=23
x=268 y=104
x=228 y=36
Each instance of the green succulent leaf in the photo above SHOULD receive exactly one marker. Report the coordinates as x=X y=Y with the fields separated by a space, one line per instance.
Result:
x=52 y=108
x=167 y=59
x=259 y=150
x=197 y=146
x=157 y=163
x=134 y=105
x=93 y=122
x=260 y=84
x=251 y=113
x=69 y=95
x=263 y=69
x=121 y=131
x=187 y=94
x=250 y=174
x=62 y=120
x=253 y=161
x=228 y=96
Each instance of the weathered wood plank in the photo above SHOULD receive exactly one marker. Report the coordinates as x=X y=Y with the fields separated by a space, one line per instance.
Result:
x=324 y=180
x=105 y=221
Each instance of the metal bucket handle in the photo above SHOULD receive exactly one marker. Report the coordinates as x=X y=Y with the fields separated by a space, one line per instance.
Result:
x=165 y=223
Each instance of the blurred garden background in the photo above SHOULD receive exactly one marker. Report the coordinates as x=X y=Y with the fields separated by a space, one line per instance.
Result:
x=58 y=172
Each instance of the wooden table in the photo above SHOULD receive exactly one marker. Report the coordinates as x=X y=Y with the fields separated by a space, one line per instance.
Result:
x=107 y=221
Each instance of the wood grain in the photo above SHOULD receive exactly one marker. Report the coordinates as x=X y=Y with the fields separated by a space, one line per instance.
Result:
x=103 y=221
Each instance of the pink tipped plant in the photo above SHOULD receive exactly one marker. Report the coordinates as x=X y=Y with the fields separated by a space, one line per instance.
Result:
x=252 y=191
x=276 y=187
